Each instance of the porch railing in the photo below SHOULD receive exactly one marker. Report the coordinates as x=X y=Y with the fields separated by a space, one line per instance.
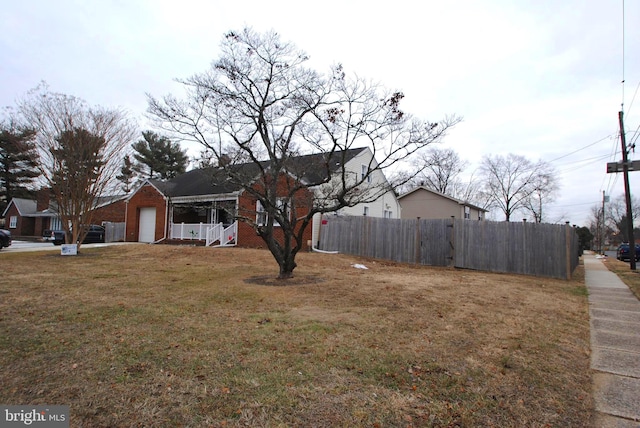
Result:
x=209 y=232
x=190 y=231
x=224 y=236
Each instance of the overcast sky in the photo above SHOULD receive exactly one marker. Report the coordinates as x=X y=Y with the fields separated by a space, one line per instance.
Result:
x=538 y=78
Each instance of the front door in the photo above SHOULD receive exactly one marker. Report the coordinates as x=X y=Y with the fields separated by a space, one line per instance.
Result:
x=147 y=225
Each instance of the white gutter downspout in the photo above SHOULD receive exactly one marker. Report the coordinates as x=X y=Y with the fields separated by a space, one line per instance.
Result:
x=126 y=211
x=166 y=221
x=313 y=242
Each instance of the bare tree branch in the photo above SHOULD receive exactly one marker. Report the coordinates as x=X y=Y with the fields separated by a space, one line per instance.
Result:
x=80 y=150
x=259 y=105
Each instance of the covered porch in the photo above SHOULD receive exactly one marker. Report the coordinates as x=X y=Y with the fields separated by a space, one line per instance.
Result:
x=208 y=222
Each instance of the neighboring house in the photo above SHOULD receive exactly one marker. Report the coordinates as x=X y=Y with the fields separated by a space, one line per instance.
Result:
x=30 y=217
x=23 y=218
x=203 y=205
x=428 y=204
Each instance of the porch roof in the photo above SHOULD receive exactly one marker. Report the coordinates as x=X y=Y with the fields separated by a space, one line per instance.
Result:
x=204 y=198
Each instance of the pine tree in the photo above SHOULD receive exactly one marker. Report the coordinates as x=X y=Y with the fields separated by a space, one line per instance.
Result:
x=158 y=157
x=18 y=163
x=127 y=174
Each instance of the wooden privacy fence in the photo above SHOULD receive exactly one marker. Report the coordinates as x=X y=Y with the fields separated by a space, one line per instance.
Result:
x=114 y=232
x=527 y=248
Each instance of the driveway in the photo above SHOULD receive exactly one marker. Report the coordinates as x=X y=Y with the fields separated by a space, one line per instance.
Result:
x=17 y=245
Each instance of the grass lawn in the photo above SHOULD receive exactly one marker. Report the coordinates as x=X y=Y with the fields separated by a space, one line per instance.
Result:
x=158 y=336
x=628 y=276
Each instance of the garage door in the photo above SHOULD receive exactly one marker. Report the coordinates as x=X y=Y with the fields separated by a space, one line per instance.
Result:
x=147 y=225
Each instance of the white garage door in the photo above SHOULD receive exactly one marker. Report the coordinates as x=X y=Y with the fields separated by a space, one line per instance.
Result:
x=147 y=225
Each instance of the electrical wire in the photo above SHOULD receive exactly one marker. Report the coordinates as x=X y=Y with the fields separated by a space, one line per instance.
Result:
x=633 y=98
x=583 y=148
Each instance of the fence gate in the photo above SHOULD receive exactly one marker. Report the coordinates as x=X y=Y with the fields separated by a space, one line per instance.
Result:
x=114 y=232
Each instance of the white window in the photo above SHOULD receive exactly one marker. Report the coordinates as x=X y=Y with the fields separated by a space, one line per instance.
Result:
x=261 y=216
x=365 y=173
x=13 y=222
x=388 y=214
x=282 y=205
x=365 y=210
x=56 y=224
x=467 y=213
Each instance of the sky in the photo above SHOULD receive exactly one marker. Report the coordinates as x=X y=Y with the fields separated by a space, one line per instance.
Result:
x=537 y=78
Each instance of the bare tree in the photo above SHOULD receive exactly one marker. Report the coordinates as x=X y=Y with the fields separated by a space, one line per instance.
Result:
x=601 y=227
x=616 y=216
x=259 y=104
x=80 y=150
x=511 y=181
x=544 y=190
x=439 y=169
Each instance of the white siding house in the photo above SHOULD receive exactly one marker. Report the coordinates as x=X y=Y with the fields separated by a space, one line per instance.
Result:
x=385 y=206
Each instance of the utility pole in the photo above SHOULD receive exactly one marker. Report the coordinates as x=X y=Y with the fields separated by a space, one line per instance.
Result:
x=604 y=217
x=627 y=193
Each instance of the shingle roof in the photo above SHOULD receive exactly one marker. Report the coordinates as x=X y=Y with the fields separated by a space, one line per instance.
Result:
x=424 y=188
x=214 y=181
x=24 y=206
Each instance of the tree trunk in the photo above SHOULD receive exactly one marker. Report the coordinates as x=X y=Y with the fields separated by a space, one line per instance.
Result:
x=287 y=265
x=285 y=254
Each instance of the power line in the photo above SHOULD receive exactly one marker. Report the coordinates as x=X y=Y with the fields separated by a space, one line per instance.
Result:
x=583 y=148
x=633 y=98
x=579 y=164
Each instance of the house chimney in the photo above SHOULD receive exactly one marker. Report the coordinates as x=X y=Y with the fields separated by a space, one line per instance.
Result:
x=43 y=197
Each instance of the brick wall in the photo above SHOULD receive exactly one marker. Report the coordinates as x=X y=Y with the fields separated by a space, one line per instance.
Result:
x=114 y=213
x=247 y=236
x=145 y=197
x=24 y=226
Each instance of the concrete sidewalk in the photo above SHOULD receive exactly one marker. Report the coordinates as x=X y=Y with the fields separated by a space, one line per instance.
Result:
x=615 y=347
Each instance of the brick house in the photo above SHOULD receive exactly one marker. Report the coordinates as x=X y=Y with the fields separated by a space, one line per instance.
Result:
x=202 y=206
x=30 y=217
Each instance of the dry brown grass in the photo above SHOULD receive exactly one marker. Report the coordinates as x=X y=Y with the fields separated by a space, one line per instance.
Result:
x=628 y=276
x=156 y=336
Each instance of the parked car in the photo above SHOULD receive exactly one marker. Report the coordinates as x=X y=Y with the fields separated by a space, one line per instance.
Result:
x=623 y=252
x=95 y=234
x=5 y=238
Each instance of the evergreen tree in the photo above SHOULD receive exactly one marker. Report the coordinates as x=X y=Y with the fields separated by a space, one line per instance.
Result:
x=18 y=163
x=127 y=174
x=158 y=157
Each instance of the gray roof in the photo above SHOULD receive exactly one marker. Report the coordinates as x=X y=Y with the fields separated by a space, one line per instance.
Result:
x=460 y=202
x=313 y=169
x=25 y=206
x=28 y=207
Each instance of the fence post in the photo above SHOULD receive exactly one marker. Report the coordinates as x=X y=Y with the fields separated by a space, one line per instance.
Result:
x=418 y=243
x=567 y=238
x=452 y=237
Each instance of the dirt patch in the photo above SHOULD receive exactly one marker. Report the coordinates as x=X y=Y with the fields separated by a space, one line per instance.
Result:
x=274 y=281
